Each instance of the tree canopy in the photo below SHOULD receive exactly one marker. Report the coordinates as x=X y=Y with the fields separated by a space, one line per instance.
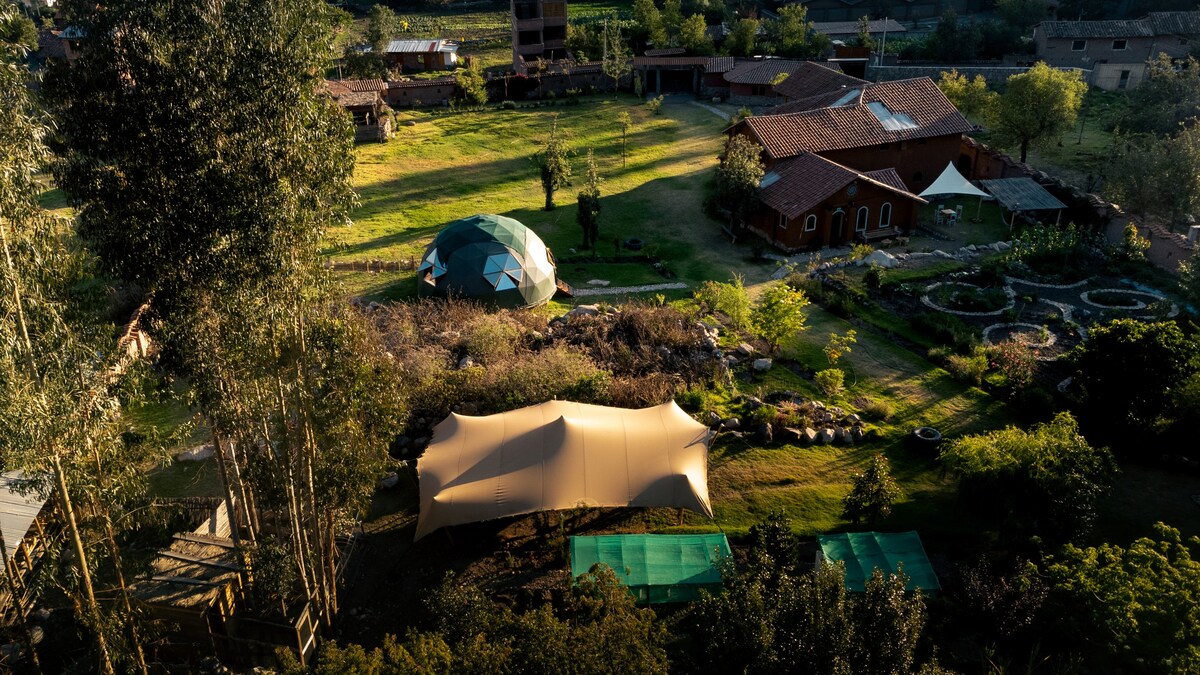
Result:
x=972 y=97
x=738 y=179
x=1047 y=480
x=1038 y=105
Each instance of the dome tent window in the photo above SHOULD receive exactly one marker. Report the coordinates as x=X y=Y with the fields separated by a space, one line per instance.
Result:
x=492 y=259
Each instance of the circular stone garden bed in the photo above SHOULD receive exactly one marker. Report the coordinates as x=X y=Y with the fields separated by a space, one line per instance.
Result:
x=958 y=297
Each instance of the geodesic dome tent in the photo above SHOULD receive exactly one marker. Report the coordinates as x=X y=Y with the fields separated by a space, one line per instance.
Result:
x=492 y=259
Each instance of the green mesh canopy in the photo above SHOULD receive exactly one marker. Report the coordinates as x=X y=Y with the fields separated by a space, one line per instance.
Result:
x=492 y=259
x=656 y=567
x=864 y=552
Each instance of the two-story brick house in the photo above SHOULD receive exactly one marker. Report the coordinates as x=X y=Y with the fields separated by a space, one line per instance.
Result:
x=1115 y=52
x=539 y=30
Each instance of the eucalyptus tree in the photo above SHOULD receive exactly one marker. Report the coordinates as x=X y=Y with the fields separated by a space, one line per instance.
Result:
x=59 y=417
x=206 y=164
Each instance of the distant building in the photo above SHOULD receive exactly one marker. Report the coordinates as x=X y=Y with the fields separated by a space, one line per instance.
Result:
x=848 y=30
x=422 y=54
x=753 y=82
x=539 y=30
x=1116 y=51
x=363 y=99
x=901 y=10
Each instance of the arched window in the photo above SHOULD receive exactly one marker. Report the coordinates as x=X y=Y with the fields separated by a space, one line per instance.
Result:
x=885 y=215
x=810 y=223
x=860 y=219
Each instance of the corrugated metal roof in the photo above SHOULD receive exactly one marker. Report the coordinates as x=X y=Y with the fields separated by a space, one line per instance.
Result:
x=669 y=51
x=1021 y=194
x=855 y=126
x=17 y=510
x=420 y=46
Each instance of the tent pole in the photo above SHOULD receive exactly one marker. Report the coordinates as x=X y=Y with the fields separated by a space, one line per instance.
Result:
x=1058 y=219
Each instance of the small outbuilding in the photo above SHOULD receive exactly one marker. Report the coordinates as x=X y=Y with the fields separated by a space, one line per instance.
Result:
x=865 y=552
x=492 y=259
x=1023 y=194
x=657 y=568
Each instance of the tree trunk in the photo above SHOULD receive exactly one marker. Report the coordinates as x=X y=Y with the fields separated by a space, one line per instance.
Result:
x=1024 y=150
x=85 y=575
x=549 y=199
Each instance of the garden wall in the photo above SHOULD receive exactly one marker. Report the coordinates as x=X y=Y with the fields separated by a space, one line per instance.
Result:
x=1167 y=248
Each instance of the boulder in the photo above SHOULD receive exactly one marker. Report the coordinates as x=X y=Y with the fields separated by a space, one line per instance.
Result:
x=857 y=434
x=731 y=424
x=389 y=481
x=731 y=361
x=919 y=254
x=745 y=349
x=763 y=433
x=836 y=411
x=584 y=310
x=853 y=419
x=789 y=435
x=826 y=435
x=762 y=365
x=198 y=453
x=712 y=418
x=809 y=435
x=709 y=343
x=664 y=351
x=941 y=254
x=754 y=403
x=603 y=283
x=1003 y=246
x=780 y=273
x=817 y=405
x=882 y=259
x=466 y=362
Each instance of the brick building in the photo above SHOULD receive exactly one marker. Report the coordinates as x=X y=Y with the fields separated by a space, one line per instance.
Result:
x=422 y=55
x=539 y=30
x=1116 y=51
x=863 y=145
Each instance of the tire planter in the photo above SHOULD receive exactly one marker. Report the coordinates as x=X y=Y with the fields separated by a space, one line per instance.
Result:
x=634 y=244
x=926 y=437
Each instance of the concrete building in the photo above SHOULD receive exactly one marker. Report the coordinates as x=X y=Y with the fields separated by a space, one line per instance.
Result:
x=1116 y=51
x=539 y=30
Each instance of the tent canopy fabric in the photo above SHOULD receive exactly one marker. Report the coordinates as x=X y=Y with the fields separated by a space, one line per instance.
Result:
x=1022 y=194
x=560 y=455
x=951 y=182
x=17 y=511
x=656 y=567
x=864 y=552
x=489 y=258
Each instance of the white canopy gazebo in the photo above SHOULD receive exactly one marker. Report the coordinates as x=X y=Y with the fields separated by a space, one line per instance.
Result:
x=951 y=182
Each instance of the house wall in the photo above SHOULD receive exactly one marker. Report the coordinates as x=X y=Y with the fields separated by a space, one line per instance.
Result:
x=918 y=162
x=793 y=236
x=1106 y=62
x=420 y=94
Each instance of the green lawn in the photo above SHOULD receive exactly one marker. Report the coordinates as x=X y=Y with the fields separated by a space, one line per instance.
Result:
x=450 y=166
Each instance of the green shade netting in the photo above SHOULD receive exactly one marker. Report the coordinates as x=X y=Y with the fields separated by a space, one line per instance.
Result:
x=656 y=567
x=863 y=552
x=492 y=259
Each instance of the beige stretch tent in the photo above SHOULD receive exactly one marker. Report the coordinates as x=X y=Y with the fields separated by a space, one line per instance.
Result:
x=559 y=455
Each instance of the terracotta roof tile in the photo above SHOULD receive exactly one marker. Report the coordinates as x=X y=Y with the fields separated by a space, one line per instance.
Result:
x=365 y=85
x=1174 y=23
x=887 y=177
x=806 y=180
x=1096 y=29
x=761 y=72
x=812 y=78
x=854 y=125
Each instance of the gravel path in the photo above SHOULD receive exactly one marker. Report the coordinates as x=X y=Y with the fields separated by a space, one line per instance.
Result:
x=584 y=292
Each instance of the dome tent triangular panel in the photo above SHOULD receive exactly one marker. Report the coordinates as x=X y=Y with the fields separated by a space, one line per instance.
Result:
x=492 y=259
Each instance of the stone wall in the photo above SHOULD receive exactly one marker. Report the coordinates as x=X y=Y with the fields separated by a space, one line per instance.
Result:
x=995 y=75
x=1167 y=248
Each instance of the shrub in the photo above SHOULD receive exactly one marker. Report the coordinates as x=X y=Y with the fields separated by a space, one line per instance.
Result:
x=655 y=105
x=831 y=381
x=691 y=400
x=879 y=411
x=729 y=299
x=508 y=105
x=873 y=278
x=947 y=329
x=1015 y=361
x=763 y=414
x=491 y=340
x=969 y=368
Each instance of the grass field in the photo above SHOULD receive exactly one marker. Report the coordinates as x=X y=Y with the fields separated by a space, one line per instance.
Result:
x=450 y=166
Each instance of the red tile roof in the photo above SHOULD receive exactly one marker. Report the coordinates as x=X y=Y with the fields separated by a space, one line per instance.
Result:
x=854 y=125
x=887 y=177
x=761 y=72
x=806 y=180
x=365 y=85
x=812 y=79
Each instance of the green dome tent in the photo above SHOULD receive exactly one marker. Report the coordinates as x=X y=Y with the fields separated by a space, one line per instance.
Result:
x=493 y=259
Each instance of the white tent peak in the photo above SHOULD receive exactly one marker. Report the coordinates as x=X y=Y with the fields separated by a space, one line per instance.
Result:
x=951 y=182
x=559 y=455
